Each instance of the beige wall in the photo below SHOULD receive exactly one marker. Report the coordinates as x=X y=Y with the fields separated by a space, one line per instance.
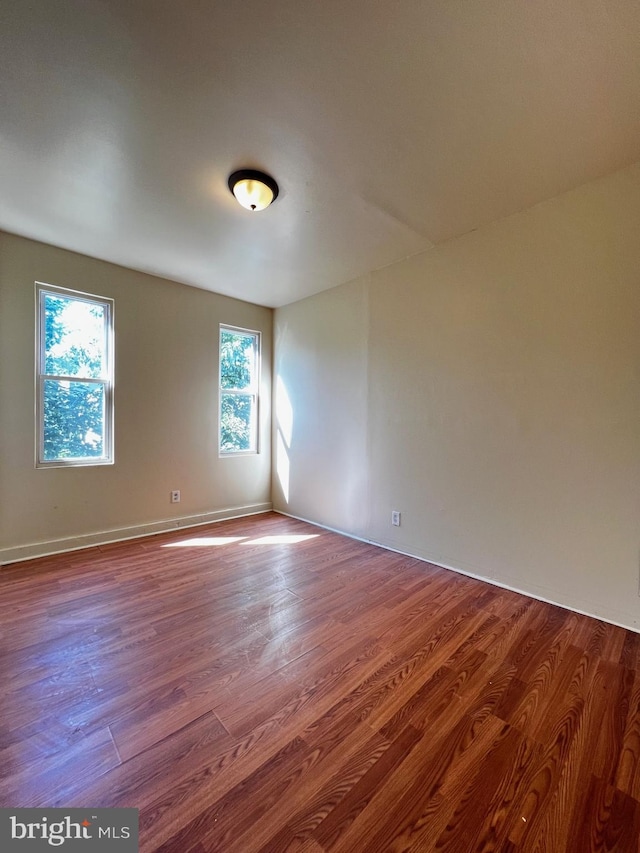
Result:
x=165 y=409
x=490 y=389
x=320 y=457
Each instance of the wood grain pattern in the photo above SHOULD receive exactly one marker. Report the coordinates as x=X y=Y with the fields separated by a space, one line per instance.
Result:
x=261 y=685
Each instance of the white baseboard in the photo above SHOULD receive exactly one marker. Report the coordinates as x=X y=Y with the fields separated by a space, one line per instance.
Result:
x=103 y=537
x=594 y=612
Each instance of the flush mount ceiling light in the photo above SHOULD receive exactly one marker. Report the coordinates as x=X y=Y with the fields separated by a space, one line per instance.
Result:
x=254 y=190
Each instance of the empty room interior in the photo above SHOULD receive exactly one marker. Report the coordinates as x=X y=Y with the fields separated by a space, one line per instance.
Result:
x=320 y=422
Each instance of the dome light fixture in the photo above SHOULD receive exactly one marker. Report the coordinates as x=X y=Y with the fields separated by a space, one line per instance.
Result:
x=253 y=190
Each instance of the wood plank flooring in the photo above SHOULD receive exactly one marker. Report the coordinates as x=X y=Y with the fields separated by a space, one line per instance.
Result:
x=261 y=685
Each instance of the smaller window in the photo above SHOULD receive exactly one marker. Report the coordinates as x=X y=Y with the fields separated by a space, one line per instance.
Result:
x=74 y=378
x=239 y=390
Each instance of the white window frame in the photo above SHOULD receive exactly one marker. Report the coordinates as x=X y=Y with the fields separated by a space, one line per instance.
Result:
x=106 y=380
x=253 y=390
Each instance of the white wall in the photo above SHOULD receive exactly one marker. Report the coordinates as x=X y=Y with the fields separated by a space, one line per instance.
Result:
x=165 y=409
x=490 y=388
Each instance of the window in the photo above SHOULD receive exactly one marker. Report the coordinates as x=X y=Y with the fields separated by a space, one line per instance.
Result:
x=239 y=385
x=74 y=378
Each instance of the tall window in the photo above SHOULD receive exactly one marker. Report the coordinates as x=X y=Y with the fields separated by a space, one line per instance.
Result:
x=239 y=388
x=74 y=366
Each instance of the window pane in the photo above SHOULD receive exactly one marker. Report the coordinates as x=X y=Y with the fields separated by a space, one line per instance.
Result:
x=237 y=422
x=73 y=420
x=74 y=341
x=237 y=360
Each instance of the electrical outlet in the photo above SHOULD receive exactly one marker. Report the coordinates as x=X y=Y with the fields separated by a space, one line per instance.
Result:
x=175 y=496
x=395 y=518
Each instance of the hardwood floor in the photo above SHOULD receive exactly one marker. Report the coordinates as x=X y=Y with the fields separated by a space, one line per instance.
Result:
x=264 y=685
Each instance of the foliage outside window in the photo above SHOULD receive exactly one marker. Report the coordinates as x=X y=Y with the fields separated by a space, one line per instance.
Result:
x=74 y=378
x=239 y=386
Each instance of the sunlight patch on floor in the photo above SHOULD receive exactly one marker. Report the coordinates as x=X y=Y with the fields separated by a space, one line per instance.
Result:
x=205 y=542
x=281 y=540
x=217 y=541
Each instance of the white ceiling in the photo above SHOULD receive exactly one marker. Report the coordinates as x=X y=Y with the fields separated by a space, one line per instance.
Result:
x=390 y=125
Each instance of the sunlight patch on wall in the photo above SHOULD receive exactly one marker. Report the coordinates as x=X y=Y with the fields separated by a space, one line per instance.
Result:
x=282 y=466
x=284 y=412
x=284 y=434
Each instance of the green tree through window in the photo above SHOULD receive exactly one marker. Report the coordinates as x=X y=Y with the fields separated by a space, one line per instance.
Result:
x=74 y=378
x=239 y=369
